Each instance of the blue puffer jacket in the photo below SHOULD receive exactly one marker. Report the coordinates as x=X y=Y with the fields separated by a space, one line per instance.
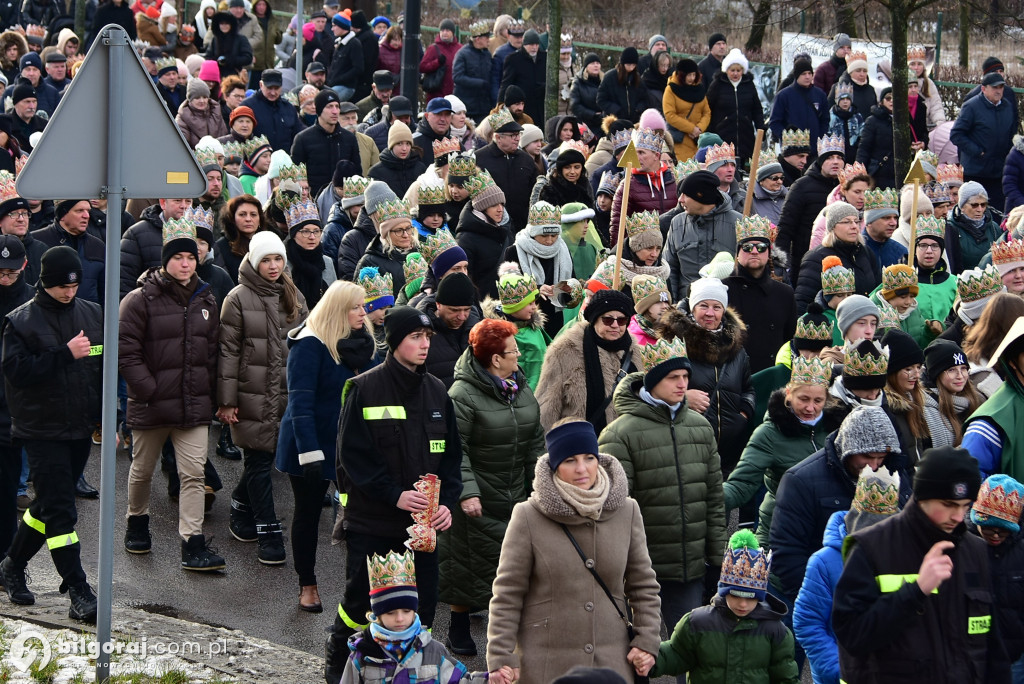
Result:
x=983 y=134
x=812 y=614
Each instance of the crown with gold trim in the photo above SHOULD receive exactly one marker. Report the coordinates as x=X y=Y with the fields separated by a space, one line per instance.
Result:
x=928 y=157
x=812 y=371
x=931 y=227
x=544 y=214
x=951 y=174
x=999 y=503
x=831 y=144
x=865 y=358
x=755 y=228
x=179 y=229
x=206 y=157
x=292 y=172
x=461 y=165
x=621 y=138
x=888 y=316
x=652 y=355
x=836 y=278
x=445 y=146
x=603 y=276
x=255 y=143
x=354 y=186
x=643 y=286
x=745 y=567
x=500 y=118
x=975 y=283
x=850 y=171
x=917 y=53
x=726 y=152
x=201 y=218
x=882 y=198
x=809 y=330
x=391 y=210
x=877 y=492
x=479 y=182
x=850 y=59
x=479 y=28
x=578 y=146
x=430 y=193
x=899 y=277
x=796 y=137
x=937 y=193
x=392 y=582
x=166 y=63
x=376 y=284
x=648 y=139
x=844 y=90
x=516 y=291
x=435 y=245
x=233 y=152
x=610 y=183
x=300 y=212
x=37 y=31
x=640 y=222
x=1008 y=252
x=7 y=187
x=415 y=267
x=767 y=157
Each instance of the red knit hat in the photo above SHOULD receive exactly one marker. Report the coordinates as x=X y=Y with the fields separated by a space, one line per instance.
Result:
x=241 y=110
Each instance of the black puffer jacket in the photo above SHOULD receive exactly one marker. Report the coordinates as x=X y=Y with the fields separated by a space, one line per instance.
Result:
x=766 y=307
x=876 y=147
x=447 y=345
x=52 y=395
x=622 y=99
x=1006 y=562
x=722 y=369
x=353 y=245
x=515 y=174
x=321 y=151
x=856 y=257
x=804 y=200
x=391 y=261
x=397 y=173
x=583 y=101
x=484 y=244
x=141 y=246
x=735 y=113
x=11 y=297
x=559 y=192
x=230 y=50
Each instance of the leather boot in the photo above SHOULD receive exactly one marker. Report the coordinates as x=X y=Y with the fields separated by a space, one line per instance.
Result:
x=226 y=447
x=459 y=639
x=309 y=599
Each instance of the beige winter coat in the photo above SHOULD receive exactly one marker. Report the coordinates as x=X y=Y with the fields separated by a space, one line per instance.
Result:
x=548 y=614
x=253 y=356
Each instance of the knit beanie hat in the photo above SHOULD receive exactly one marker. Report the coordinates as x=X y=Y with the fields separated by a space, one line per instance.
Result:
x=590 y=58
x=531 y=37
x=399 y=132
x=876 y=498
x=999 y=504
x=661 y=358
x=60 y=266
x=62 y=207
x=802 y=66
x=179 y=235
x=947 y=473
x=721 y=266
x=606 y=301
x=324 y=98
x=703 y=187
x=708 y=289
x=456 y=289
x=898 y=280
x=629 y=56
x=968 y=190
x=643 y=231
x=531 y=134
x=514 y=95
x=392 y=581
x=852 y=309
x=836 y=212
x=399 y=321
x=772 y=167
x=941 y=355
x=569 y=439
x=590 y=675
x=865 y=365
x=813 y=329
x=244 y=110
x=30 y=58
x=648 y=290
x=715 y=38
x=924 y=205
x=375 y=195
x=443 y=262
x=903 y=350
x=484 y=191
x=265 y=243
x=866 y=430
x=654 y=39
x=745 y=568
x=196 y=89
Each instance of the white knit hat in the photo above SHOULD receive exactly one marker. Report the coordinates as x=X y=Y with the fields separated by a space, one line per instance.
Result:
x=457 y=105
x=264 y=243
x=708 y=289
x=735 y=56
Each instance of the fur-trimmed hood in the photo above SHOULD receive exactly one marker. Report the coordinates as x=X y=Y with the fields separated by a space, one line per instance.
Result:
x=703 y=345
x=8 y=38
x=492 y=309
x=547 y=500
x=790 y=426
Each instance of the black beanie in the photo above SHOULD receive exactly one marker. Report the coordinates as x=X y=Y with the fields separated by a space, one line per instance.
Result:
x=447 y=25
x=801 y=66
x=590 y=58
x=606 y=301
x=456 y=289
x=661 y=371
x=60 y=266
x=947 y=473
x=399 y=321
x=324 y=98
x=62 y=207
x=991 y=64
x=514 y=95
x=703 y=187
x=629 y=56
x=714 y=38
x=940 y=356
x=531 y=37
x=181 y=244
x=903 y=350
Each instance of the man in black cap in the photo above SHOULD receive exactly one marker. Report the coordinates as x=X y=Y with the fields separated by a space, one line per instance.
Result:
x=57 y=72
x=914 y=600
x=983 y=133
x=168 y=84
x=321 y=146
x=989 y=66
x=316 y=76
x=436 y=124
x=380 y=94
x=52 y=362
x=14 y=221
x=71 y=221
x=513 y=169
x=706 y=226
x=22 y=121
x=527 y=68
x=397 y=109
x=368 y=41
x=453 y=313
x=348 y=119
x=397 y=424
x=711 y=65
x=276 y=119
x=32 y=73
x=515 y=32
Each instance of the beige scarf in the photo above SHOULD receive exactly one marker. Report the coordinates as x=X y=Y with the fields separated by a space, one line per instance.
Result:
x=587 y=502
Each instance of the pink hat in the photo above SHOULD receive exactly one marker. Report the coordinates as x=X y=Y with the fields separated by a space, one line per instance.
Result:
x=652 y=119
x=307 y=31
x=209 y=71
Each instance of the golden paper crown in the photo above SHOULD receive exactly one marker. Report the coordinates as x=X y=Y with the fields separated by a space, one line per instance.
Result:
x=951 y=174
x=642 y=221
x=500 y=118
x=767 y=157
x=745 y=566
x=850 y=171
x=610 y=182
x=899 y=277
x=415 y=267
x=873 y=361
x=684 y=169
x=7 y=187
x=255 y=143
x=726 y=152
x=836 y=278
x=928 y=157
x=755 y=227
x=544 y=214
x=812 y=371
x=392 y=570
x=577 y=145
x=292 y=172
x=877 y=492
x=643 y=286
x=881 y=199
x=809 y=330
x=175 y=229
x=605 y=274
x=975 y=284
x=479 y=182
x=461 y=165
x=931 y=227
x=652 y=355
x=1006 y=252
x=479 y=28
x=201 y=218
x=376 y=284
x=431 y=193
x=390 y=210
x=206 y=157
x=850 y=59
x=354 y=186
x=796 y=137
x=233 y=150
x=996 y=503
x=843 y=90
x=37 y=31
x=301 y=211
x=445 y=146
x=831 y=144
x=937 y=193
x=166 y=63
x=435 y=245
x=888 y=316
x=916 y=53
x=514 y=289
x=648 y=139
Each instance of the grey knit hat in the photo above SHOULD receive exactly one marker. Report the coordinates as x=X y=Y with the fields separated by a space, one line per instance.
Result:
x=867 y=429
x=376 y=194
x=872 y=215
x=768 y=170
x=968 y=190
x=836 y=212
x=852 y=309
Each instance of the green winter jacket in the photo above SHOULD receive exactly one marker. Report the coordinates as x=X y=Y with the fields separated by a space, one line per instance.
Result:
x=935 y=299
x=913 y=324
x=777 y=444
x=532 y=339
x=500 y=447
x=714 y=646
x=675 y=475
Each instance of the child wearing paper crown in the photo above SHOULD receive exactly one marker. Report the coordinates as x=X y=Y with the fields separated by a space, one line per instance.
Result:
x=742 y=619
x=395 y=647
x=898 y=291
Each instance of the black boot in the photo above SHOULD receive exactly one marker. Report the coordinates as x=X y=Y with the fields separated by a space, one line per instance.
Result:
x=336 y=651
x=226 y=447
x=241 y=523
x=459 y=639
x=271 y=540
x=136 y=536
x=196 y=554
x=85 y=490
x=15 y=581
x=83 y=603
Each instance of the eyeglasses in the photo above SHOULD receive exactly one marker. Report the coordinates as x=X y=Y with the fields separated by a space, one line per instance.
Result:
x=775 y=178
x=512 y=351
x=848 y=222
x=315 y=232
x=401 y=231
x=19 y=214
x=928 y=248
x=9 y=274
x=977 y=205
x=514 y=136
x=751 y=247
x=612 y=321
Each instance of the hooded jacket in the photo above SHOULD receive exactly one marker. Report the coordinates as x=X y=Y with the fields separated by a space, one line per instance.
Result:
x=532 y=339
x=12 y=70
x=876 y=147
x=807 y=196
x=141 y=247
x=442 y=55
x=270 y=35
x=855 y=256
x=196 y=123
x=812 y=612
x=471 y=78
x=736 y=111
x=353 y=245
x=693 y=241
x=232 y=51
x=648 y=191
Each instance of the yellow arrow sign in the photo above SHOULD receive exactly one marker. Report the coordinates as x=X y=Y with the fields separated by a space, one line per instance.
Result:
x=629 y=158
x=916 y=173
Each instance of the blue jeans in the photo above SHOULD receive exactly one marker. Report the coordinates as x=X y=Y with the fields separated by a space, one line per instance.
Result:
x=344 y=92
x=23 y=480
x=1017 y=672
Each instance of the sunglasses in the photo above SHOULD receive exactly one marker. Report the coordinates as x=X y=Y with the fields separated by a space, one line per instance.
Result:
x=775 y=178
x=977 y=205
x=751 y=247
x=611 y=321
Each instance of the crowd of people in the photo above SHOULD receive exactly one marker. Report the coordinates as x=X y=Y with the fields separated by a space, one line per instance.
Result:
x=539 y=382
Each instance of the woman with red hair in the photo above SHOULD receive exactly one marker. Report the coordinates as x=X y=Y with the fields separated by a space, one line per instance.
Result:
x=502 y=438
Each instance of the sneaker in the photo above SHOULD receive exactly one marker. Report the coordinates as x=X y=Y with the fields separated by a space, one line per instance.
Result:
x=24 y=501
x=271 y=540
x=15 y=582
x=197 y=555
x=136 y=536
x=83 y=603
x=97 y=436
x=241 y=523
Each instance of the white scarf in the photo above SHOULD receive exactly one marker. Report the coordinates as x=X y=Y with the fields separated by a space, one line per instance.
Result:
x=587 y=502
x=531 y=252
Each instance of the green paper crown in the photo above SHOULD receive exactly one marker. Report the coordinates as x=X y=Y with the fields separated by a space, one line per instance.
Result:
x=755 y=227
x=877 y=492
x=377 y=285
x=435 y=245
x=881 y=199
x=545 y=214
x=415 y=267
x=975 y=284
x=176 y=229
x=931 y=227
x=836 y=278
x=663 y=350
x=516 y=291
x=766 y=158
x=292 y=172
x=206 y=157
x=644 y=286
x=898 y=277
x=354 y=186
x=431 y=194
x=796 y=138
x=928 y=157
x=684 y=169
x=888 y=317
x=498 y=119
x=809 y=330
x=253 y=144
x=461 y=165
x=390 y=210
x=642 y=221
x=605 y=273
x=478 y=183
x=233 y=150
x=812 y=371
x=874 y=362
x=166 y=63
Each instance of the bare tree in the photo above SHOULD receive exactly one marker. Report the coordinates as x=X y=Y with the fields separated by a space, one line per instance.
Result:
x=762 y=16
x=554 y=49
x=846 y=19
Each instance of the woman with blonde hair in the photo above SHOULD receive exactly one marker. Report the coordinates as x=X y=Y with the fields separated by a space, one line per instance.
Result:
x=396 y=237
x=334 y=344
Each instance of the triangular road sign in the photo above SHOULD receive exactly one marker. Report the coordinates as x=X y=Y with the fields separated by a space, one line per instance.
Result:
x=71 y=157
x=916 y=173
x=629 y=158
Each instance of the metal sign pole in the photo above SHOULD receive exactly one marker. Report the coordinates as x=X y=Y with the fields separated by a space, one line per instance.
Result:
x=300 y=73
x=117 y=39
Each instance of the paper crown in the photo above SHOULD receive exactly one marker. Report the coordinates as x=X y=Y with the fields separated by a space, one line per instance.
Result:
x=685 y=168
x=300 y=212
x=755 y=228
x=570 y=293
x=391 y=210
x=445 y=146
x=391 y=571
x=726 y=152
x=951 y=174
x=881 y=199
x=500 y=118
x=517 y=26
x=931 y=227
x=877 y=492
x=435 y=245
x=138 y=45
x=975 y=283
x=850 y=59
x=836 y=278
x=938 y=193
x=874 y=360
x=544 y=214
x=7 y=187
x=652 y=355
x=376 y=284
x=291 y=98
x=166 y=63
x=206 y=157
x=479 y=28
x=831 y=144
x=899 y=277
x=516 y=291
x=809 y=330
x=888 y=317
x=852 y=171
x=610 y=182
x=479 y=182
x=643 y=286
x=201 y=218
x=175 y=229
x=642 y=221
x=995 y=502
x=566 y=37
x=745 y=568
x=415 y=267
x=928 y=157
x=233 y=151
x=577 y=146
x=461 y=165
x=292 y=172
x=255 y=143
x=796 y=137
x=917 y=53
x=37 y=31
x=621 y=138
x=354 y=186
x=648 y=139
x=767 y=157
x=430 y=193
x=812 y=371
x=1008 y=251
x=843 y=90
x=19 y=164
x=603 y=276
